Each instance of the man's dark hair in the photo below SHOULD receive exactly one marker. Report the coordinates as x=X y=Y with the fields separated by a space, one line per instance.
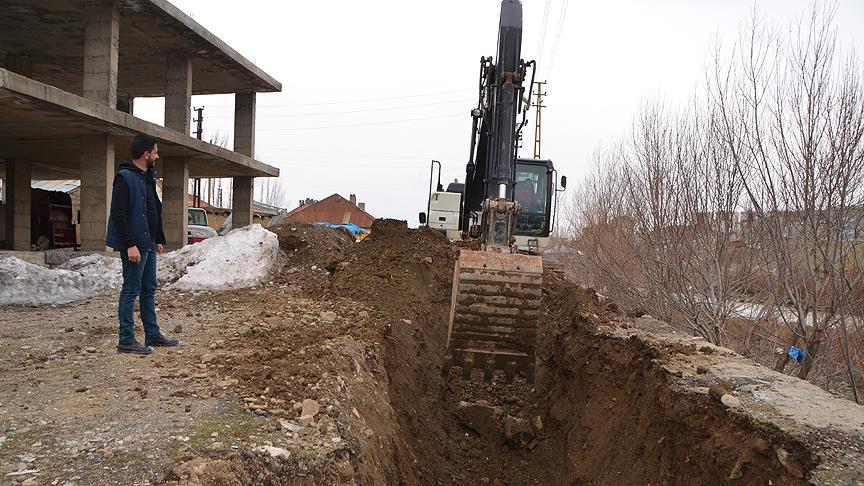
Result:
x=141 y=143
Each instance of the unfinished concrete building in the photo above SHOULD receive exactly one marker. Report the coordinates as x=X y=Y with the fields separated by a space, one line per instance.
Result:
x=69 y=74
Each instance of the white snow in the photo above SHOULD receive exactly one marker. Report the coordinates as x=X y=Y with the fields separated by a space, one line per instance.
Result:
x=243 y=258
x=81 y=278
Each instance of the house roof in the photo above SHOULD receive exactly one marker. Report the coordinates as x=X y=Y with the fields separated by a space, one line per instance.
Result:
x=333 y=209
x=266 y=209
x=66 y=186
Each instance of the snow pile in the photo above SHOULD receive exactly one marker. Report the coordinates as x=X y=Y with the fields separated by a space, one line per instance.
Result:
x=244 y=257
x=81 y=278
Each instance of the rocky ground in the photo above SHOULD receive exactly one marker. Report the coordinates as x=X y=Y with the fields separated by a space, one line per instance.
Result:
x=331 y=374
x=73 y=411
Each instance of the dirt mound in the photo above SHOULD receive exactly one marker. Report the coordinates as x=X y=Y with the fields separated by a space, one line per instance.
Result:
x=397 y=269
x=312 y=251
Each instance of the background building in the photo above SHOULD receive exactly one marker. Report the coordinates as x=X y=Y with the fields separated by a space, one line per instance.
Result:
x=69 y=75
x=334 y=209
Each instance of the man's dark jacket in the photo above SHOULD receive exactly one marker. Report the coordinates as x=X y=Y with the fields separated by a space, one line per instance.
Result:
x=136 y=212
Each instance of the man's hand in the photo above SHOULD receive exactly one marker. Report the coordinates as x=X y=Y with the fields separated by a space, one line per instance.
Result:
x=160 y=248
x=134 y=254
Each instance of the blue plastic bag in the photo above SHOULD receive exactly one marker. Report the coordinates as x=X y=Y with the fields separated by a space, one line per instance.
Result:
x=353 y=228
x=797 y=354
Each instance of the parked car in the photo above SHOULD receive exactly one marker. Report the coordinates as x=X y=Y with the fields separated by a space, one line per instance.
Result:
x=198 y=230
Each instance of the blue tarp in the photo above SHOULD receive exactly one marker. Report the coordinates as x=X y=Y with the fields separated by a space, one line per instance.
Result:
x=353 y=228
x=797 y=354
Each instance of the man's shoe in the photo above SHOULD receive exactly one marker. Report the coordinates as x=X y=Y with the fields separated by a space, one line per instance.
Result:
x=161 y=340
x=133 y=348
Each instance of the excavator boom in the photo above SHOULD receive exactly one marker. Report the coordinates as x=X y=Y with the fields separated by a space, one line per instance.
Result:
x=496 y=292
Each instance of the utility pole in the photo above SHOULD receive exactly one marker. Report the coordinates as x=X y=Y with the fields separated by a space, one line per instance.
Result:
x=199 y=132
x=539 y=87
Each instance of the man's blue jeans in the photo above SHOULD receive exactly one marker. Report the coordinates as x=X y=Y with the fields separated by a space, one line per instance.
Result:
x=139 y=280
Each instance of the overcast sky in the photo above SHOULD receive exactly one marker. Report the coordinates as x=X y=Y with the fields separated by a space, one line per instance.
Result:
x=374 y=90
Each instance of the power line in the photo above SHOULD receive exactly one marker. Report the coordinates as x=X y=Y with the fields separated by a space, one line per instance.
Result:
x=425 y=158
x=558 y=34
x=367 y=100
x=351 y=125
x=318 y=151
x=543 y=33
x=331 y=185
x=348 y=112
x=328 y=164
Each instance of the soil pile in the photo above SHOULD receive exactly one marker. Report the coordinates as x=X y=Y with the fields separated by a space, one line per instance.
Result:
x=312 y=252
x=397 y=269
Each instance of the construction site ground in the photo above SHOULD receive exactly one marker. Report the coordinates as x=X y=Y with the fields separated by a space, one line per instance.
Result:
x=331 y=374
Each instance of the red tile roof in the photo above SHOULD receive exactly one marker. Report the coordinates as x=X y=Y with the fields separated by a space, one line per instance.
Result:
x=334 y=209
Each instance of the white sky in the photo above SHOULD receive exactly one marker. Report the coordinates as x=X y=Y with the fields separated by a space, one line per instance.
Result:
x=333 y=57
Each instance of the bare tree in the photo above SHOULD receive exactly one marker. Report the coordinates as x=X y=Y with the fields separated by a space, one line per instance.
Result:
x=216 y=187
x=792 y=118
x=657 y=220
x=755 y=194
x=603 y=231
x=685 y=195
x=272 y=191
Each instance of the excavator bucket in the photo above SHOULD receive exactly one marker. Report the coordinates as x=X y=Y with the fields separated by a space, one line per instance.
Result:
x=493 y=314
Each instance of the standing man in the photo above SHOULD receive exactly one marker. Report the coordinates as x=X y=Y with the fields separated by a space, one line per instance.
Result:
x=135 y=230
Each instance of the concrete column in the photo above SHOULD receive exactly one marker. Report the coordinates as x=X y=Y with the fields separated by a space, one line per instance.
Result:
x=244 y=123
x=175 y=203
x=97 y=177
x=244 y=143
x=18 y=178
x=241 y=202
x=101 y=51
x=178 y=92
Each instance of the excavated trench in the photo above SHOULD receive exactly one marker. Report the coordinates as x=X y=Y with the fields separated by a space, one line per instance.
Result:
x=601 y=411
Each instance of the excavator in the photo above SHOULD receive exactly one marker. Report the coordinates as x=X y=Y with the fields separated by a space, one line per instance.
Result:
x=506 y=204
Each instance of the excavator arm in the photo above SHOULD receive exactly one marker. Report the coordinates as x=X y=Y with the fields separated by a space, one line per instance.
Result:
x=496 y=292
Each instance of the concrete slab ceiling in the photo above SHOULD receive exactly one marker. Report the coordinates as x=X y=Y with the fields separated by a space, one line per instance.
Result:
x=46 y=38
x=43 y=124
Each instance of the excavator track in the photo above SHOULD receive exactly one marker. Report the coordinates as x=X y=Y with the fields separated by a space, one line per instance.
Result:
x=493 y=314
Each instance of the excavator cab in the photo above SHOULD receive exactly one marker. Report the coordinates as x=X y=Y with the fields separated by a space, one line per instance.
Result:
x=535 y=188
